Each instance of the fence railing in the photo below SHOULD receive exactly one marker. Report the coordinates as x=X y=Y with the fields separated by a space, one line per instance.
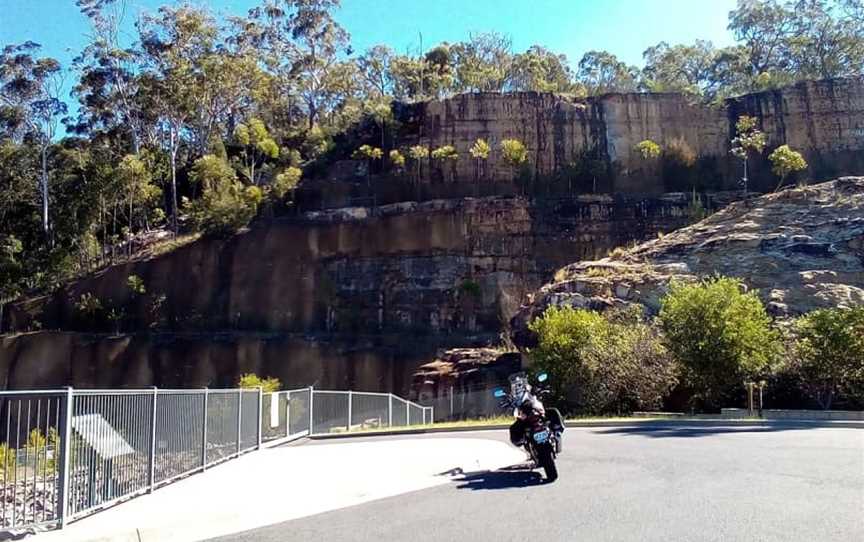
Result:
x=65 y=454
x=470 y=401
x=308 y=411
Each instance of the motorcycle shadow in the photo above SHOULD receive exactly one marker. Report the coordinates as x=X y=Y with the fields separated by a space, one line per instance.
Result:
x=506 y=478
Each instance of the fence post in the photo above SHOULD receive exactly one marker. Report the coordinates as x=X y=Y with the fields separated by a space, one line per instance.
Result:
x=204 y=434
x=65 y=448
x=287 y=413
x=407 y=414
x=152 y=475
x=451 y=403
x=349 y=410
x=261 y=415
x=239 y=417
x=311 y=406
x=390 y=410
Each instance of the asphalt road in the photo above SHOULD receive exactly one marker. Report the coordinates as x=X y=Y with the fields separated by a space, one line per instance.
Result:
x=620 y=483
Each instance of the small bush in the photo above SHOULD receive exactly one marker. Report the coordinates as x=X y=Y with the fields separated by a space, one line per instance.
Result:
x=598 y=364
x=285 y=182
x=37 y=445
x=446 y=152
x=8 y=458
x=514 y=152
x=267 y=385
x=648 y=149
x=397 y=160
x=719 y=335
x=480 y=149
x=89 y=306
x=136 y=284
x=829 y=354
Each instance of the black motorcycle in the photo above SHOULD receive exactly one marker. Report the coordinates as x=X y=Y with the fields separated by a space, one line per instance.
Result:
x=539 y=433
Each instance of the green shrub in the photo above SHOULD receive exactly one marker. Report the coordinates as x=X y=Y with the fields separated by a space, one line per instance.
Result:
x=285 y=182
x=719 y=335
x=267 y=385
x=8 y=457
x=136 y=284
x=785 y=161
x=480 y=149
x=88 y=305
x=225 y=204
x=397 y=159
x=829 y=354
x=367 y=152
x=648 y=149
x=36 y=448
x=444 y=153
x=612 y=363
x=514 y=152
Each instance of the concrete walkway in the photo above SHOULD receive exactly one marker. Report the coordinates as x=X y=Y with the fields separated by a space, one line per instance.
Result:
x=285 y=483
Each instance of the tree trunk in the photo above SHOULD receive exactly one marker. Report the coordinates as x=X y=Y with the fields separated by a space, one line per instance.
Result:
x=173 y=183
x=136 y=146
x=43 y=188
x=780 y=184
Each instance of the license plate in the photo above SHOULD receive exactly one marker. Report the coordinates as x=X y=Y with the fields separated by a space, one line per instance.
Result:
x=541 y=437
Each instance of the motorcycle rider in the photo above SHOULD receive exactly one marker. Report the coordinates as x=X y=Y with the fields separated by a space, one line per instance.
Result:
x=520 y=391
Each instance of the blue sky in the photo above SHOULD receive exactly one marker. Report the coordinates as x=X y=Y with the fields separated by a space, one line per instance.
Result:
x=572 y=27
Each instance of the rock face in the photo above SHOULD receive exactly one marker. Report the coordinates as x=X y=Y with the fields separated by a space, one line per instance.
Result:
x=52 y=359
x=438 y=267
x=801 y=248
x=459 y=383
x=337 y=290
x=823 y=119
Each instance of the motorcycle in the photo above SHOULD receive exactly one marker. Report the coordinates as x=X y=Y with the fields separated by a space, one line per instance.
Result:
x=542 y=428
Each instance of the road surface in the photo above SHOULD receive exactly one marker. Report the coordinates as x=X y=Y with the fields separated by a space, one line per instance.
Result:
x=782 y=483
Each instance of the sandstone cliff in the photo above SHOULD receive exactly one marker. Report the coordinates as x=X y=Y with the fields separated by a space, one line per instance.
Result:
x=823 y=119
x=801 y=248
x=326 y=298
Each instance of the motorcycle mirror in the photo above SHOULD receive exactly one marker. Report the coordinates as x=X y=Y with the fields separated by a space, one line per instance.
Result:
x=499 y=393
x=542 y=377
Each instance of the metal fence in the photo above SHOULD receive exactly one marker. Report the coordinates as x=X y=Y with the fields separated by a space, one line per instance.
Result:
x=65 y=454
x=469 y=401
x=309 y=411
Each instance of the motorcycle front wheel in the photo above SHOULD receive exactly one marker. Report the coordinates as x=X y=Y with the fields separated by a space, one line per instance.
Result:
x=546 y=459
